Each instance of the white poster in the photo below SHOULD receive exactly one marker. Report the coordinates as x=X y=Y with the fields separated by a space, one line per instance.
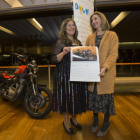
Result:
x=84 y=64
x=83 y=9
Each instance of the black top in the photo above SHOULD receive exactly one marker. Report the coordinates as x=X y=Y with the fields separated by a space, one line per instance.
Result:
x=69 y=96
x=98 y=39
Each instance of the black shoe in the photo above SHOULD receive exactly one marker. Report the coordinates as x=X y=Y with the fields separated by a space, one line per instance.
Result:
x=69 y=131
x=78 y=126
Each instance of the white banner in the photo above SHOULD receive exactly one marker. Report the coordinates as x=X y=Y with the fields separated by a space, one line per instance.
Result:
x=83 y=9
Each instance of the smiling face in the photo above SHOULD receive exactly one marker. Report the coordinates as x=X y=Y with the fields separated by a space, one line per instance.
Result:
x=70 y=28
x=96 y=22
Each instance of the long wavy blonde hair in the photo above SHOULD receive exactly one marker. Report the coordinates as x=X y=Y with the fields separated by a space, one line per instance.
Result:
x=104 y=22
x=62 y=33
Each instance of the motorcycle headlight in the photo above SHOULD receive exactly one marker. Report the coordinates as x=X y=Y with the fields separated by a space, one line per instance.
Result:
x=33 y=62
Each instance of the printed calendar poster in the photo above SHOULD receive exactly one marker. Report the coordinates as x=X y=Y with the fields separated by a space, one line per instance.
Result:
x=84 y=64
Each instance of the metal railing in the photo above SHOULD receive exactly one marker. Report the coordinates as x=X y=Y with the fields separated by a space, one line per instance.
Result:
x=52 y=66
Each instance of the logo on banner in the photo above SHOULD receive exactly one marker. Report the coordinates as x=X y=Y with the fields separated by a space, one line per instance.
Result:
x=81 y=9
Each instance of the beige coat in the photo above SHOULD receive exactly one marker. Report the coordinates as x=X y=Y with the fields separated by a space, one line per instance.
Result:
x=108 y=53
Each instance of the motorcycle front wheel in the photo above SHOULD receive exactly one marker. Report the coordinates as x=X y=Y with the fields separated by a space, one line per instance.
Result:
x=38 y=106
x=2 y=97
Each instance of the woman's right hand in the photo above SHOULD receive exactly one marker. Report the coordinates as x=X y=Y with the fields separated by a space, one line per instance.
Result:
x=66 y=50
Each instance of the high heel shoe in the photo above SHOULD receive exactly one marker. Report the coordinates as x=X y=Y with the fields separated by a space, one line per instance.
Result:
x=69 y=131
x=100 y=133
x=78 y=126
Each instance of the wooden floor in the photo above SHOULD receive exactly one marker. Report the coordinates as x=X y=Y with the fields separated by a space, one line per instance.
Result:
x=15 y=124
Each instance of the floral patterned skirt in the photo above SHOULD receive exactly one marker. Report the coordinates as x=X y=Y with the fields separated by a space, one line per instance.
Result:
x=101 y=103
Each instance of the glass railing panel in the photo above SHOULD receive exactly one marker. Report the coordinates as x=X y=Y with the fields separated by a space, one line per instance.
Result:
x=128 y=69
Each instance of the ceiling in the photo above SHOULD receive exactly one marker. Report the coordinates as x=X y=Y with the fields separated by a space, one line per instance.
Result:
x=128 y=29
x=28 y=32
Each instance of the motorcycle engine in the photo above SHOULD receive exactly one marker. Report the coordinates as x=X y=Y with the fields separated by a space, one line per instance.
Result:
x=6 y=89
x=12 y=88
x=17 y=87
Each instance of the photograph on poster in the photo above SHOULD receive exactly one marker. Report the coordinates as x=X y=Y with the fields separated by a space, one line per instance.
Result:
x=84 y=64
x=84 y=54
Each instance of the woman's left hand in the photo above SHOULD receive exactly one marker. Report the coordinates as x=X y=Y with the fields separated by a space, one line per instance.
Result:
x=102 y=72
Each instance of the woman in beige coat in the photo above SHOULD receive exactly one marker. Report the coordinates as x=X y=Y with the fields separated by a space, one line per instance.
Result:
x=101 y=97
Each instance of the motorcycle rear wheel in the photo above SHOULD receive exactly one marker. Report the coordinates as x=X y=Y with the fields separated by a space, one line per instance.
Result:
x=38 y=108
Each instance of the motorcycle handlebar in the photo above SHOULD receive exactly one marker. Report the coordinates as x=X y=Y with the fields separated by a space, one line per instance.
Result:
x=18 y=54
x=21 y=57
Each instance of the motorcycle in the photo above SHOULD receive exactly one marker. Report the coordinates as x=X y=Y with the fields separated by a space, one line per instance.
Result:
x=23 y=86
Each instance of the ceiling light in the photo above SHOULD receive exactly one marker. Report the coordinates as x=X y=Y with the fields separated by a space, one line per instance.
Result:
x=119 y=18
x=37 y=22
x=7 y=31
x=14 y=3
x=123 y=43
